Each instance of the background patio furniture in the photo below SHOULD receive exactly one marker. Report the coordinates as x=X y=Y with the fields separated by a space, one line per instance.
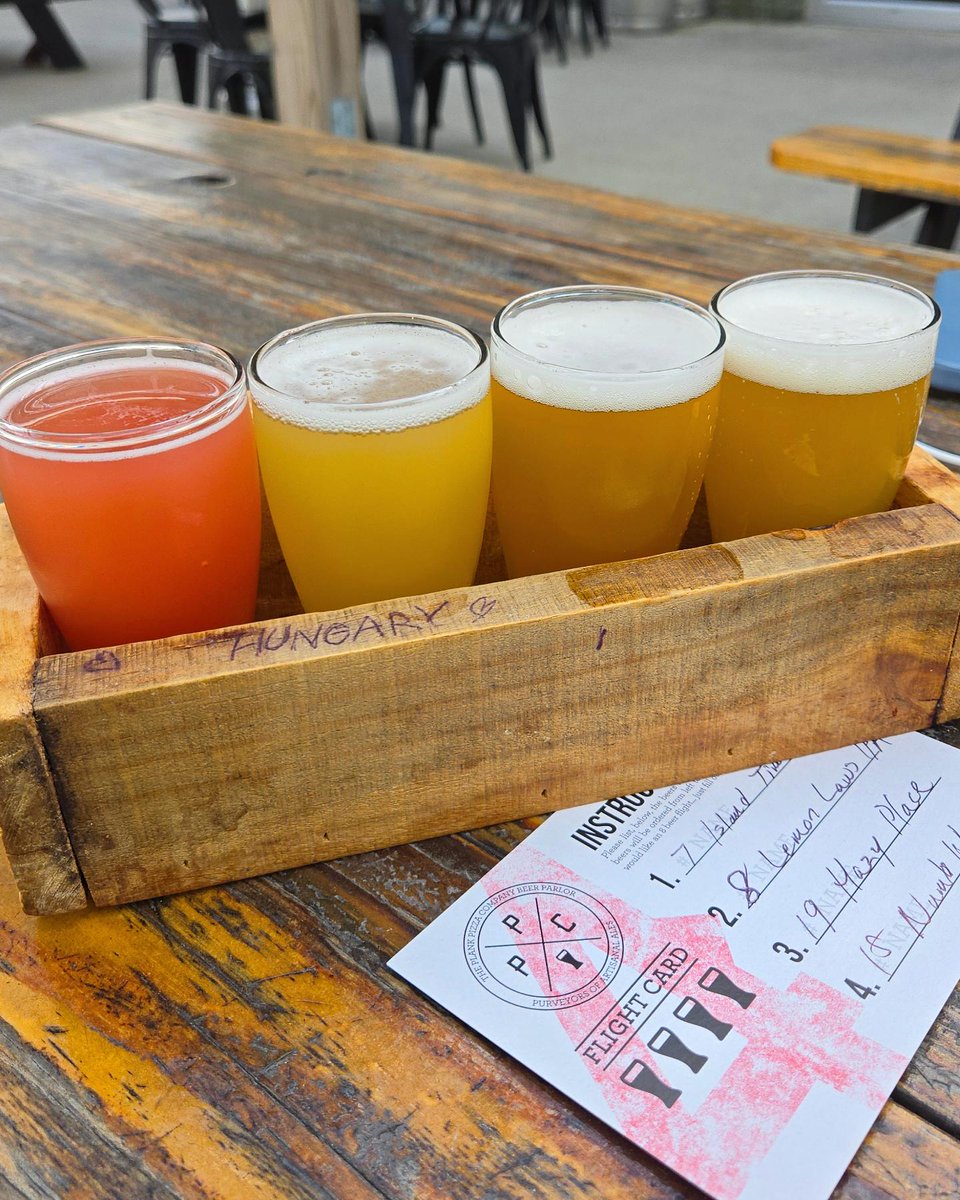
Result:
x=391 y=22
x=183 y=31
x=895 y=173
x=234 y=65
x=52 y=41
x=501 y=34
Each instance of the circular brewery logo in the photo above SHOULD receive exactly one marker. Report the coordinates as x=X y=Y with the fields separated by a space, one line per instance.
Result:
x=543 y=945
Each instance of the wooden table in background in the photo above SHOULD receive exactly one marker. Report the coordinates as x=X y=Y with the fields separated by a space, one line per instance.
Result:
x=894 y=173
x=873 y=158
x=248 y=1041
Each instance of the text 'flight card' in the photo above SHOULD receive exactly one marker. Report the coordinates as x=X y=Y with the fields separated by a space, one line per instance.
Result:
x=733 y=973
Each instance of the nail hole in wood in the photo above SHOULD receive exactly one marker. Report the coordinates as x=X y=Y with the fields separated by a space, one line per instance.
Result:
x=210 y=179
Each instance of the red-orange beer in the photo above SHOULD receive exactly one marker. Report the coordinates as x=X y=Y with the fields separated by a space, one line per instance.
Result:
x=129 y=474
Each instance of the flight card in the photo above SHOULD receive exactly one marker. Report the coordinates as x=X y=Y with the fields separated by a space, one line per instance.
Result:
x=732 y=973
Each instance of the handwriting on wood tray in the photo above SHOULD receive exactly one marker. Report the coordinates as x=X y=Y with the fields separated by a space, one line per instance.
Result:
x=367 y=629
x=103 y=660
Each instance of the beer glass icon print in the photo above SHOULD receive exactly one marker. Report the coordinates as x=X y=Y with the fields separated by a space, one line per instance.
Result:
x=543 y=945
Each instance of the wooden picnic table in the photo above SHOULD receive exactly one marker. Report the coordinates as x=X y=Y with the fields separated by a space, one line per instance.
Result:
x=873 y=158
x=894 y=173
x=248 y=1040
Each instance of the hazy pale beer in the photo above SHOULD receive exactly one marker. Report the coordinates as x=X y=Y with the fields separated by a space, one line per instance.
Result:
x=604 y=406
x=374 y=437
x=825 y=379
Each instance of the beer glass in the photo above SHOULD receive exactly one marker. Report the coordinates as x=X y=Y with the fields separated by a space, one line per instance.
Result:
x=604 y=405
x=374 y=440
x=129 y=473
x=825 y=380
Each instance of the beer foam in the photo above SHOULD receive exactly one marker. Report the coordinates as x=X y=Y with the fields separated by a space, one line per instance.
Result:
x=606 y=354
x=369 y=377
x=39 y=383
x=828 y=334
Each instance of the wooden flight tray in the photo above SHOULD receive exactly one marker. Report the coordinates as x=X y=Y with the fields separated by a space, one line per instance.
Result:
x=156 y=767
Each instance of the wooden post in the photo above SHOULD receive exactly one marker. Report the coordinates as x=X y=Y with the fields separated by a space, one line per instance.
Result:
x=316 y=64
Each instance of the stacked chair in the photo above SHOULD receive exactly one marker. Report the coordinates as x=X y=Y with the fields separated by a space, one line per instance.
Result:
x=234 y=66
x=391 y=22
x=501 y=34
x=214 y=30
x=557 y=20
x=181 y=30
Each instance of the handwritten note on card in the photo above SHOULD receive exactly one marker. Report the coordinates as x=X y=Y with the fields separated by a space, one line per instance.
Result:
x=733 y=973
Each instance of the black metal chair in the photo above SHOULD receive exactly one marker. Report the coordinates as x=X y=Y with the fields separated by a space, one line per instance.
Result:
x=500 y=34
x=181 y=30
x=555 y=27
x=233 y=65
x=557 y=20
x=391 y=22
x=595 y=12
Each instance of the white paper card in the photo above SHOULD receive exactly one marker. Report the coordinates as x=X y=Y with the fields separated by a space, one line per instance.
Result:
x=732 y=973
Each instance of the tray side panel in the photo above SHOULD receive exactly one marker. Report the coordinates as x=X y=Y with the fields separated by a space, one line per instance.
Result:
x=34 y=834
x=929 y=482
x=791 y=644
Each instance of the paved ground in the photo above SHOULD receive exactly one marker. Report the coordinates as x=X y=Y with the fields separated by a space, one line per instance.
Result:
x=685 y=116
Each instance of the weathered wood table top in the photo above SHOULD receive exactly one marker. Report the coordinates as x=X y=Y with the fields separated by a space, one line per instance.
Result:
x=873 y=158
x=248 y=1041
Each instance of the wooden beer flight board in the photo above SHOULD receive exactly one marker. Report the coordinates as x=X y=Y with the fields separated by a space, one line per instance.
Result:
x=245 y=1040
x=155 y=768
x=226 y=754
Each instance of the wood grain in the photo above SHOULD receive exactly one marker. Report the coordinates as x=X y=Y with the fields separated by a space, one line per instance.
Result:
x=175 y=222
x=463 y=708
x=591 y=235
x=926 y=479
x=34 y=836
x=248 y=1040
x=928 y=168
x=940 y=426
x=290 y=236
x=248 y=1000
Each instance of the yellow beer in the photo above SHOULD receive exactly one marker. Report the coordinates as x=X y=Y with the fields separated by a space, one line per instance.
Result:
x=374 y=436
x=604 y=406
x=826 y=377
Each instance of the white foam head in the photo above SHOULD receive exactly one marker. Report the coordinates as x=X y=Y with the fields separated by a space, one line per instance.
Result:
x=828 y=332
x=606 y=349
x=369 y=374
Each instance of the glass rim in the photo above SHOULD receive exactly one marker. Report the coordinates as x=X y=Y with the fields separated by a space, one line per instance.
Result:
x=120 y=440
x=412 y=320
x=826 y=273
x=601 y=291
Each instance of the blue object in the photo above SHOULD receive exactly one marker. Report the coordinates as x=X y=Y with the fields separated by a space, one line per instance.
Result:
x=946 y=367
